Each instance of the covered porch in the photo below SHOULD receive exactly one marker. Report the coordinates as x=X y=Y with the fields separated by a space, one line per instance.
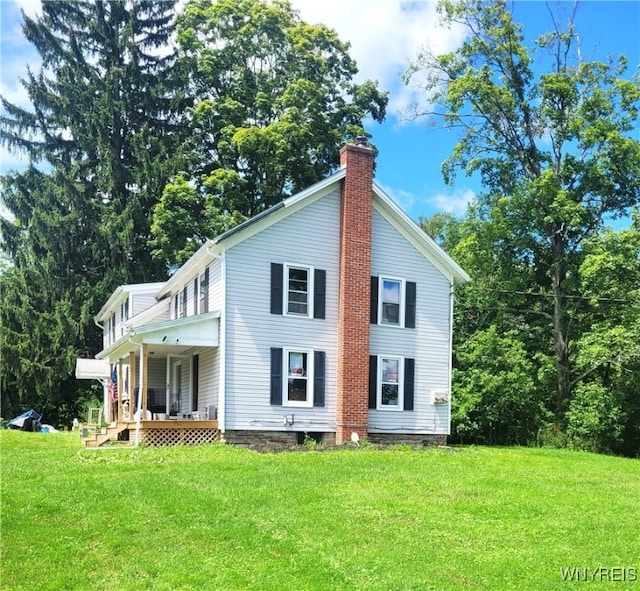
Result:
x=158 y=433
x=161 y=389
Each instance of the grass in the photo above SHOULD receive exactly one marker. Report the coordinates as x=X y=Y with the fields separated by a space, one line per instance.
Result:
x=218 y=517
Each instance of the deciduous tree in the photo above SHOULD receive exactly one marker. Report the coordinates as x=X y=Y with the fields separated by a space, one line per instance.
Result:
x=273 y=101
x=557 y=153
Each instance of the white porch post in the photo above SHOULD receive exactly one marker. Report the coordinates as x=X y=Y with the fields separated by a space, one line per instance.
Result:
x=132 y=382
x=118 y=417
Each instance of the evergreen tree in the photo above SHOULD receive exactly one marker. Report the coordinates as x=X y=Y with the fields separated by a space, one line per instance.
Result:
x=101 y=139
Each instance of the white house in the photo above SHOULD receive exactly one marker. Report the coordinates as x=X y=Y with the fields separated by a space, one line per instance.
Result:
x=327 y=315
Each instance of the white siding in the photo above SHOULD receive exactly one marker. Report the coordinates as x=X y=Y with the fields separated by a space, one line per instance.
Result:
x=215 y=286
x=139 y=302
x=209 y=373
x=193 y=292
x=309 y=236
x=428 y=343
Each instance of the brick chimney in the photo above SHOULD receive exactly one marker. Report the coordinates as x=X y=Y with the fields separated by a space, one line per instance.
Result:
x=354 y=292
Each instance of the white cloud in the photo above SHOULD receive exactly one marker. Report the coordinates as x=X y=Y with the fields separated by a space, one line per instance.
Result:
x=30 y=7
x=385 y=35
x=455 y=202
x=405 y=199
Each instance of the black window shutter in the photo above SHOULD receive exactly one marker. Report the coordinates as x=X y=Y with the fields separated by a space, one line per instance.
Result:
x=410 y=306
x=319 y=293
x=409 y=382
x=205 y=306
x=374 y=300
x=276 y=288
x=373 y=381
x=318 y=377
x=276 y=375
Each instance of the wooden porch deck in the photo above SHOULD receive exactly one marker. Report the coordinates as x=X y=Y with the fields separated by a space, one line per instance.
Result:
x=159 y=433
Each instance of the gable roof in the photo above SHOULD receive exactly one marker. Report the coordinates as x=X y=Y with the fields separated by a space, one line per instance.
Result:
x=121 y=294
x=214 y=248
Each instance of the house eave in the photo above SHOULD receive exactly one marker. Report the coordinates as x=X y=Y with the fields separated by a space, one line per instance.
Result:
x=423 y=242
x=195 y=264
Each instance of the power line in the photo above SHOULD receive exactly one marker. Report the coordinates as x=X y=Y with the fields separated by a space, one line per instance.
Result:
x=551 y=296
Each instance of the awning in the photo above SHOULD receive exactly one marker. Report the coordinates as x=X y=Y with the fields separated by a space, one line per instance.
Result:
x=92 y=369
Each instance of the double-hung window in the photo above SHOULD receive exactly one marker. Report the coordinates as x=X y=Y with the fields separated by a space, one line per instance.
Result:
x=182 y=310
x=299 y=290
x=391 y=298
x=195 y=296
x=124 y=315
x=391 y=382
x=297 y=377
x=393 y=302
x=204 y=292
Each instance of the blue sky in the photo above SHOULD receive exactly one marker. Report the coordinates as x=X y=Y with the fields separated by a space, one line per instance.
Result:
x=386 y=35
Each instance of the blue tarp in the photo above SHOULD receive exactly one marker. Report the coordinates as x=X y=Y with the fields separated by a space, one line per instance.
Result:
x=27 y=421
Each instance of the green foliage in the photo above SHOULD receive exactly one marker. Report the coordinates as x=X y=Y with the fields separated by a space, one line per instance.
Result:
x=594 y=419
x=272 y=102
x=494 y=395
x=98 y=135
x=559 y=157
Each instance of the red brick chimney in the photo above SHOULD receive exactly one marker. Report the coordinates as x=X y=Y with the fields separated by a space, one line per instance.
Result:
x=354 y=292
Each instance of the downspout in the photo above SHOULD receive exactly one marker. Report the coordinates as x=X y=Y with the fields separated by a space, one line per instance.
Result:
x=222 y=341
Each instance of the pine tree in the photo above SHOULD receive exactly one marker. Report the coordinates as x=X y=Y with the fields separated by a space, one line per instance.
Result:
x=100 y=134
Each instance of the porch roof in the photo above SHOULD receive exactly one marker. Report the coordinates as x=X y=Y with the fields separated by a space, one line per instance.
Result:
x=167 y=337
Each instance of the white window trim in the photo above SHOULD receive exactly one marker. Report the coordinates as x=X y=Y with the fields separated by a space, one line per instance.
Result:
x=400 y=405
x=285 y=290
x=309 y=377
x=381 y=280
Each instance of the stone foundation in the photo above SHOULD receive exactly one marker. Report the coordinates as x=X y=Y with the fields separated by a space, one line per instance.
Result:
x=408 y=438
x=275 y=439
x=288 y=439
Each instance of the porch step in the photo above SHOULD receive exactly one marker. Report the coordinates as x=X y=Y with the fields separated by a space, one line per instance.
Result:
x=105 y=435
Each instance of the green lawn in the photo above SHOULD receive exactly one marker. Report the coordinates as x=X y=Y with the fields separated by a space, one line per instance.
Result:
x=217 y=517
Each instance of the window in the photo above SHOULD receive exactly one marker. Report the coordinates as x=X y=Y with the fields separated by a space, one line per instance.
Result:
x=391 y=382
x=297 y=387
x=298 y=290
x=297 y=377
x=390 y=299
x=124 y=315
x=393 y=302
x=195 y=297
x=182 y=310
x=112 y=328
x=204 y=292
